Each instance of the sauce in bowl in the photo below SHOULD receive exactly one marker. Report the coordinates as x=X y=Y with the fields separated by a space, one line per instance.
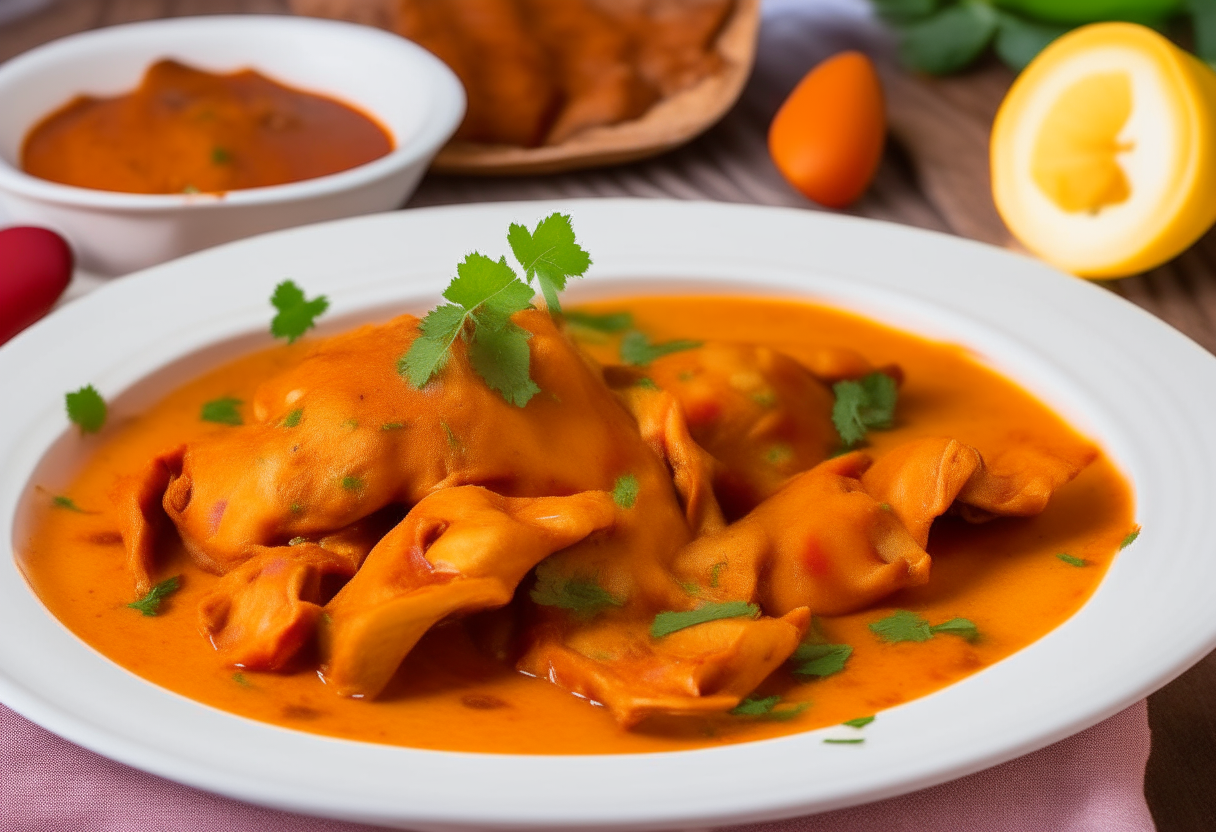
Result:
x=184 y=130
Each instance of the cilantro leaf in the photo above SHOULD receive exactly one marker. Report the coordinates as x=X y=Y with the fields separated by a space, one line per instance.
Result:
x=583 y=596
x=859 y=722
x=241 y=680
x=1071 y=560
x=856 y=741
x=549 y=254
x=293 y=418
x=352 y=483
x=646 y=383
x=902 y=625
x=295 y=314
x=625 y=491
x=484 y=294
x=666 y=623
x=820 y=659
x=715 y=573
x=86 y=408
x=766 y=708
x=60 y=501
x=637 y=350
x=962 y=627
x=1130 y=539
x=222 y=411
x=608 y=323
x=862 y=405
x=150 y=604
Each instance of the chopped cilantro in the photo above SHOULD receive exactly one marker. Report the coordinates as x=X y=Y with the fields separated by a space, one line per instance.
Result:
x=1130 y=539
x=646 y=383
x=666 y=623
x=779 y=454
x=550 y=254
x=1071 y=560
x=350 y=424
x=902 y=625
x=856 y=741
x=60 y=501
x=611 y=322
x=150 y=604
x=296 y=315
x=296 y=541
x=637 y=350
x=293 y=418
x=582 y=596
x=392 y=426
x=715 y=573
x=453 y=440
x=86 y=409
x=862 y=405
x=351 y=483
x=222 y=411
x=690 y=588
x=765 y=398
x=296 y=508
x=885 y=506
x=625 y=491
x=766 y=708
x=221 y=155
x=962 y=627
x=820 y=659
x=241 y=680
x=859 y=722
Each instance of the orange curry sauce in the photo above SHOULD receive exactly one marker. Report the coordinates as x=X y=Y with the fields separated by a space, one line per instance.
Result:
x=1003 y=575
x=185 y=131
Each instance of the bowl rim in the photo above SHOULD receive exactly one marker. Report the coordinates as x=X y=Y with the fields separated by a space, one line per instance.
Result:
x=443 y=112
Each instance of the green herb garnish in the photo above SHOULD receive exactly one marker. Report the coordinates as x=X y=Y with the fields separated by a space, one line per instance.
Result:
x=86 y=409
x=637 y=350
x=453 y=440
x=297 y=540
x=859 y=722
x=666 y=623
x=550 y=254
x=766 y=708
x=646 y=383
x=241 y=680
x=1129 y=540
x=1071 y=560
x=293 y=418
x=191 y=189
x=60 y=501
x=862 y=405
x=625 y=491
x=150 y=604
x=715 y=573
x=221 y=155
x=296 y=315
x=351 y=483
x=820 y=659
x=904 y=625
x=609 y=323
x=392 y=426
x=222 y=411
x=856 y=741
x=582 y=596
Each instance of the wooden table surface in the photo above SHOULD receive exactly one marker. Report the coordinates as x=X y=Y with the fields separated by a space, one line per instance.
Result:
x=934 y=175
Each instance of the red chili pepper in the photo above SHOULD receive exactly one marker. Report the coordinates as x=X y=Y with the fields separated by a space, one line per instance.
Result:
x=35 y=267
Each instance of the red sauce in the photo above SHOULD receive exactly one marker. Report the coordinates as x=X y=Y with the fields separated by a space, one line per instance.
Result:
x=185 y=131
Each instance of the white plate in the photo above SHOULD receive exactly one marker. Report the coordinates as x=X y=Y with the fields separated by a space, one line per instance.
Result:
x=1139 y=388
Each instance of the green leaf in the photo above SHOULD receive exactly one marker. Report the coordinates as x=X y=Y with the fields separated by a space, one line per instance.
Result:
x=293 y=418
x=859 y=722
x=962 y=627
x=857 y=741
x=637 y=350
x=221 y=155
x=150 y=604
x=222 y=411
x=715 y=573
x=902 y=625
x=820 y=659
x=241 y=680
x=666 y=623
x=862 y=405
x=582 y=596
x=352 y=483
x=86 y=408
x=904 y=11
x=501 y=358
x=625 y=491
x=429 y=352
x=646 y=383
x=549 y=254
x=60 y=501
x=1071 y=560
x=295 y=314
x=1129 y=540
x=1203 y=26
x=766 y=708
x=1019 y=41
x=609 y=323
x=949 y=40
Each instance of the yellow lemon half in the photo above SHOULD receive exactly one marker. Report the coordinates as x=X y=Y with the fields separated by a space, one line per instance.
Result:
x=1104 y=151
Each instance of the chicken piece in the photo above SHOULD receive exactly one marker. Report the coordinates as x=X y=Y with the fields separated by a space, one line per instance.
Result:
x=458 y=551
x=759 y=413
x=137 y=501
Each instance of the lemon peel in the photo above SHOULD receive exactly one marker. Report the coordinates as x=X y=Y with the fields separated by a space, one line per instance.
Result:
x=1103 y=153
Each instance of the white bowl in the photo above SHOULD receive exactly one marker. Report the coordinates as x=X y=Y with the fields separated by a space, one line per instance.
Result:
x=409 y=91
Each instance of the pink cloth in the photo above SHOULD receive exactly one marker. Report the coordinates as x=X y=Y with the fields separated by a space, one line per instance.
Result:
x=1092 y=782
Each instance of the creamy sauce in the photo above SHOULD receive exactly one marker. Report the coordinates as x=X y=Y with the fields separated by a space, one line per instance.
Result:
x=1003 y=575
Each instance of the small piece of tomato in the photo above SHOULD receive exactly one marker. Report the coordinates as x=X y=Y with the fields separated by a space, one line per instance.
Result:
x=827 y=137
x=35 y=267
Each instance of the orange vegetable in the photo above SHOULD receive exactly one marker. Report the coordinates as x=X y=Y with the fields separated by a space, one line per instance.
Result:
x=827 y=137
